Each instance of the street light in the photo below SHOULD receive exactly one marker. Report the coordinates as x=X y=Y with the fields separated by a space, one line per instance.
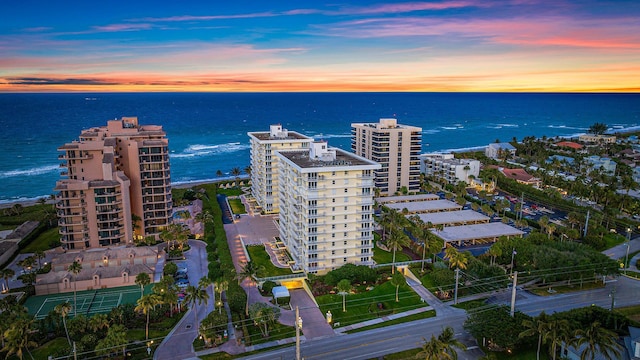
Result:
x=424 y=247
x=626 y=259
x=149 y=343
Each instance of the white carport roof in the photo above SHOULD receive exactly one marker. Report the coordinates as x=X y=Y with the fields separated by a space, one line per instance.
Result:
x=406 y=198
x=453 y=217
x=280 y=291
x=425 y=206
x=477 y=232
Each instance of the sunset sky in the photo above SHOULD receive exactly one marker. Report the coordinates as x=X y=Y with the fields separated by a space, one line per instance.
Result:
x=455 y=45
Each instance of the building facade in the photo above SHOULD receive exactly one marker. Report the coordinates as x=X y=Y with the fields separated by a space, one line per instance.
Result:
x=498 y=151
x=395 y=147
x=115 y=187
x=326 y=207
x=445 y=166
x=264 y=171
x=101 y=268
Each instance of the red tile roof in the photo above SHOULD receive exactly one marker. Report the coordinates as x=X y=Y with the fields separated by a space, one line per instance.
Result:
x=570 y=144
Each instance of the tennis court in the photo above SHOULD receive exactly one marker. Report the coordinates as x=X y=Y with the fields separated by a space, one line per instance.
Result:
x=89 y=302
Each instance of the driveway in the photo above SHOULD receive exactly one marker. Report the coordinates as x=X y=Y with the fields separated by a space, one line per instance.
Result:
x=258 y=229
x=179 y=343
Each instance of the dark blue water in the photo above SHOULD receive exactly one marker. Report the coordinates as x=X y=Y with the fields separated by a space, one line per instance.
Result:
x=207 y=131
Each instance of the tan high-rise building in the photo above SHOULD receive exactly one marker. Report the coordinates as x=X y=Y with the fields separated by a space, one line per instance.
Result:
x=396 y=147
x=264 y=172
x=114 y=174
x=326 y=207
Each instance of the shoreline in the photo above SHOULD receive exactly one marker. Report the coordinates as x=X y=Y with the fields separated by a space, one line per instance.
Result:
x=181 y=185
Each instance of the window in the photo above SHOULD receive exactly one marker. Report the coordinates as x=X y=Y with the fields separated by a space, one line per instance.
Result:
x=333 y=226
x=345 y=234
x=345 y=242
x=346 y=190
x=344 y=251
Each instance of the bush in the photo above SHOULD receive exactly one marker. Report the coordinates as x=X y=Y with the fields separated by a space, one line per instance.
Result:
x=236 y=298
x=268 y=286
x=353 y=273
x=170 y=269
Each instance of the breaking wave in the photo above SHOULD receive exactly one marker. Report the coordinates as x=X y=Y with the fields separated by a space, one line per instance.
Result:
x=29 y=172
x=199 y=150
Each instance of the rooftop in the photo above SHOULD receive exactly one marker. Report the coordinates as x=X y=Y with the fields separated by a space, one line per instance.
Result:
x=425 y=206
x=291 y=135
x=406 y=198
x=343 y=158
x=477 y=231
x=453 y=217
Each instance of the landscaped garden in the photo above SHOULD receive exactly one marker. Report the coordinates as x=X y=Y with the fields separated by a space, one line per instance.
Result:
x=262 y=261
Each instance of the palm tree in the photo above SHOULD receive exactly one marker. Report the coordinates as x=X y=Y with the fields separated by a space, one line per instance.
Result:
x=536 y=326
x=219 y=173
x=344 y=288
x=39 y=254
x=204 y=217
x=17 y=338
x=196 y=295
x=146 y=303
x=6 y=275
x=396 y=280
x=456 y=259
x=221 y=285
x=396 y=241
x=431 y=349
x=236 y=173
x=116 y=338
x=494 y=251
x=598 y=340
x=449 y=343
x=99 y=322
x=558 y=332
x=247 y=170
x=249 y=271
x=75 y=269
x=143 y=280
x=63 y=309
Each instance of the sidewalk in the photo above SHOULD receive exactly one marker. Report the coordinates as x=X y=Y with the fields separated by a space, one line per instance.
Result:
x=340 y=330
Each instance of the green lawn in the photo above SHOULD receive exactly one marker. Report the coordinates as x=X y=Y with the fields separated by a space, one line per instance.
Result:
x=277 y=331
x=237 y=207
x=57 y=346
x=613 y=239
x=468 y=305
x=364 y=306
x=385 y=257
x=259 y=256
x=42 y=241
x=230 y=192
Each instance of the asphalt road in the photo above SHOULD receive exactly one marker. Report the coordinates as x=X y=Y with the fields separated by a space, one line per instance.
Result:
x=391 y=339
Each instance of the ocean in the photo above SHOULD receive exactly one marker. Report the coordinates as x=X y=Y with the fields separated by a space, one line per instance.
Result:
x=208 y=131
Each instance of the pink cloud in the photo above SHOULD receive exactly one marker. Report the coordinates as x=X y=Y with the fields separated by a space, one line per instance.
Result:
x=122 y=27
x=206 y=17
x=409 y=7
x=554 y=31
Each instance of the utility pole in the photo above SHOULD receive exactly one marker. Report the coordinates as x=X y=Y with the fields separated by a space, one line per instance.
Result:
x=298 y=326
x=586 y=224
x=513 y=293
x=521 y=204
x=75 y=353
x=612 y=295
x=455 y=294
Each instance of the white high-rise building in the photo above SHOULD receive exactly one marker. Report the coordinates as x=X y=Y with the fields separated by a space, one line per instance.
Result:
x=264 y=176
x=326 y=207
x=394 y=146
